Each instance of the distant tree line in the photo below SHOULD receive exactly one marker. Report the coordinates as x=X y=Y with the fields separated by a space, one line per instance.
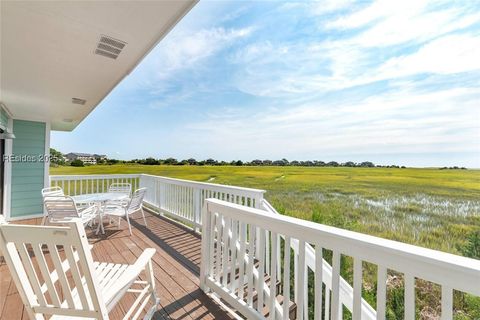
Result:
x=256 y=162
x=58 y=159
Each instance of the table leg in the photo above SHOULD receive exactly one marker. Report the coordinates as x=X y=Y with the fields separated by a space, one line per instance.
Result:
x=100 y=219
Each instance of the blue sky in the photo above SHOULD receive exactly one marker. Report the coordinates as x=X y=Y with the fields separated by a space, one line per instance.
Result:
x=384 y=81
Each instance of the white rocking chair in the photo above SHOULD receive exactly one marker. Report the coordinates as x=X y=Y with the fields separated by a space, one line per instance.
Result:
x=77 y=287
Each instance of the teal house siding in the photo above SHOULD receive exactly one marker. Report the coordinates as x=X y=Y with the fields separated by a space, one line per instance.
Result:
x=27 y=177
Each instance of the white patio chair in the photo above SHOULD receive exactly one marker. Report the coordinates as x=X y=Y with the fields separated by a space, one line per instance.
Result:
x=62 y=208
x=126 y=208
x=51 y=191
x=125 y=188
x=64 y=282
x=122 y=188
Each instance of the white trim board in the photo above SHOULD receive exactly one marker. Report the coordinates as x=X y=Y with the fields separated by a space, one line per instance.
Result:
x=7 y=175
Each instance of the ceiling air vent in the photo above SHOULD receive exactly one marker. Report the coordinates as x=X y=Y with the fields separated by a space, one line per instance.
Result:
x=79 y=101
x=109 y=47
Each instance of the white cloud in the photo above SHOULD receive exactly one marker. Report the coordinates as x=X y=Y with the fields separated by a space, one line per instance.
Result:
x=407 y=121
x=186 y=49
x=399 y=29
x=276 y=69
x=329 y=6
x=378 y=10
x=446 y=55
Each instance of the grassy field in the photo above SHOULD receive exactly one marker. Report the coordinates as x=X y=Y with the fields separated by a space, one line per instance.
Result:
x=428 y=207
x=438 y=209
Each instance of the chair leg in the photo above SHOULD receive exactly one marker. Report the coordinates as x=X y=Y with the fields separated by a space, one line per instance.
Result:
x=119 y=221
x=153 y=295
x=144 y=220
x=129 y=226
x=44 y=219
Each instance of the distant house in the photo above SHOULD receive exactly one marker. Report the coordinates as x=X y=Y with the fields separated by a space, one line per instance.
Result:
x=100 y=157
x=85 y=157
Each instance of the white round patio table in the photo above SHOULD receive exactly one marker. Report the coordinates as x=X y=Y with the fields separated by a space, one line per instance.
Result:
x=100 y=199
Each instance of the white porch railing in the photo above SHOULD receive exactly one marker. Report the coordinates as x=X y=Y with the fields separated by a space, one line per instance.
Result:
x=181 y=199
x=231 y=233
x=82 y=184
x=346 y=293
x=184 y=199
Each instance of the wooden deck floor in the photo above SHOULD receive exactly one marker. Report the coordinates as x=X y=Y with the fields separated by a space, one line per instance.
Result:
x=176 y=267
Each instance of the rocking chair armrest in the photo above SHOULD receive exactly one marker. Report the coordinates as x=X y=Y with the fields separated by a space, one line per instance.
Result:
x=133 y=272
x=145 y=258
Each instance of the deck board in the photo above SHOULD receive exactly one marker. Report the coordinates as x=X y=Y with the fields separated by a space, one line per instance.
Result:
x=176 y=268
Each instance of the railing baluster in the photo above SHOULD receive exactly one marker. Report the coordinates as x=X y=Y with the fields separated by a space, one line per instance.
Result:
x=261 y=271
x=381 y=292
x=219 y=248
x=267 y=251
x=357 y=289
x=335 y=309
x=241 y=260
x=286 y=278
x=409 y=296
x=213 y=236
x=279 y=254
x=233 y=253
x=226 y=230
x=327 y=303
x=301 y=281
x=273 y=276
x=251 y=257
x=447 y=303
x=318 y=282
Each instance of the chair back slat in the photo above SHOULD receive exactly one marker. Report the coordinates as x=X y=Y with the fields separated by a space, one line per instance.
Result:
x=42 y=264
x=61 y=262
x=52 y=192
x=31 y=273
x=60 y=207
x=72 y=258
x=62 y=275
x=137 y=199
x=124 y=188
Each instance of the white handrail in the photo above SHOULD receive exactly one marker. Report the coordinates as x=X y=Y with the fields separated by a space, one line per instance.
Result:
x=450 y=271
x=92 y=176
x=205 y=185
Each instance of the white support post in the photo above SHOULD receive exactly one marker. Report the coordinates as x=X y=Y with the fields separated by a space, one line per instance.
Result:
x=206 y=238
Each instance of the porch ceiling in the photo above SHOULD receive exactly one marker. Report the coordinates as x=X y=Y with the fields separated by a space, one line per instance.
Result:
x=48 y=52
